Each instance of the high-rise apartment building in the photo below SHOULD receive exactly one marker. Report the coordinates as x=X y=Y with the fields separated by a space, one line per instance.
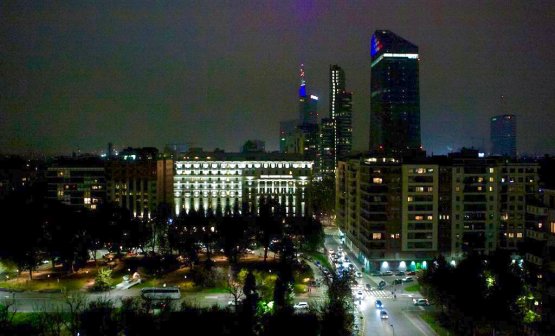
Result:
x=394 y=94
x=503 y=135
x=79 y=181
x=308 y=104
x=401 y=211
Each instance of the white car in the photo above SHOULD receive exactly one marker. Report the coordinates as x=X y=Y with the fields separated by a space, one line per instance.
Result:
x=360 y=295
x=301 y=306
x=358 y=274
x=330 y=251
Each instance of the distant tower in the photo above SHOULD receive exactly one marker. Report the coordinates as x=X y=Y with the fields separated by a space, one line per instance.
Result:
x=308 y=105
x=394 y=94
x=503 y=135
x=341 y=111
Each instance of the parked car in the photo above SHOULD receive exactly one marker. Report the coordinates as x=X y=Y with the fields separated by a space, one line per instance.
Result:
x=400 y=273
x=408 y=279
x=358 y=274
x=421 y=302
x=387 y=273
x=359 y=295
x=379 y=304
x=397 y=282
x=411 y=273
x=383 y=315
x=301 y=306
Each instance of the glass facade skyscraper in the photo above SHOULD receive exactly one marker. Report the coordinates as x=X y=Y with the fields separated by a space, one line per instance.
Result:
x=503 y=135
x=395 y=94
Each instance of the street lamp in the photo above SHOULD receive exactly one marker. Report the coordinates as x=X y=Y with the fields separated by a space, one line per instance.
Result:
x=392 y=329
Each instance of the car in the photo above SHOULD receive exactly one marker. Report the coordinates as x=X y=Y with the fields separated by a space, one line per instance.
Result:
x=359 y=295
x=301 y=306
x=407 y=279
x=400 y=273
x=376 y=274
x=325 y=271
x=346 y=259
x=383 y=315
x=397 y=282
x=421 y=302
x=232 y=302
x=368 y=287
x=379 y=304
x=358 y=274
x=351 y=266
x=381 y=285
x=411 y=273
x=331 y=252
x=387 y=273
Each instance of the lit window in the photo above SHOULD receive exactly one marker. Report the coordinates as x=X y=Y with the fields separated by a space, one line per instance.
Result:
x=490 y=188
x=457 y=188
x=409 y=199
x=419 y=218
x=430 y=218
x=480 y=179
x=491 y=170
x=420 y=189
x=479 y=188
x=420 y=170
x=376 y=236
x=552 y=224
x=511 y=235
x=519 y=235
x=491 y=179
x=377 y=180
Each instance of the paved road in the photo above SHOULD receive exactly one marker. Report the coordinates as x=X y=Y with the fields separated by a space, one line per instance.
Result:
x=403 y=318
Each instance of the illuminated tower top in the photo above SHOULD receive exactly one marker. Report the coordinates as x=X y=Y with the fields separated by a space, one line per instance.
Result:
x=302 y=87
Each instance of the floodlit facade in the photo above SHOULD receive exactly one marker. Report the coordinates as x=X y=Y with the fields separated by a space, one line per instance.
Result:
x=234 y=182
x=131 y=181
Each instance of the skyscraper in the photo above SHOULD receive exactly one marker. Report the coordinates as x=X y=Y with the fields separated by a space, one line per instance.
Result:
x=503 y=135
x=308 y=104
x=395 y=96
x=341 y=113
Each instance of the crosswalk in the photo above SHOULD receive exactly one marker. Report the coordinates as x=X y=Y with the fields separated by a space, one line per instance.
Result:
x=380 y=294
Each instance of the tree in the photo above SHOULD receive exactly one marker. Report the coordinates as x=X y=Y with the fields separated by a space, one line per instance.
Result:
x=322 y=196
x=103 y=279
x=235 y=285
x=269 y=223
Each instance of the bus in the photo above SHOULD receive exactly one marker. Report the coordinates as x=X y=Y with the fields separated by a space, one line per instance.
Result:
x=161 y=293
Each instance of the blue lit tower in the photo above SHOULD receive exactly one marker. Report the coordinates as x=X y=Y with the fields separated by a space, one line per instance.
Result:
x=394 y=94
x=308 y=105
x=503 y=135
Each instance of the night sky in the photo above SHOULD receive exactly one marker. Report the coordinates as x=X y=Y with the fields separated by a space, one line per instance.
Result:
x=215 y=73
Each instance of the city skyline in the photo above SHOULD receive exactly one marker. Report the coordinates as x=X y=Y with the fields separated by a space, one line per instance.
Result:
x=82 y=76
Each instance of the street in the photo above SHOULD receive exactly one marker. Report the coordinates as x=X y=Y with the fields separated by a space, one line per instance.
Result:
x=403 y=315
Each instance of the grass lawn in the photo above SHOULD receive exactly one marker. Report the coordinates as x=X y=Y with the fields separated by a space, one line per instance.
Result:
x=431 y=319
x=413 y=288
x=44 y=284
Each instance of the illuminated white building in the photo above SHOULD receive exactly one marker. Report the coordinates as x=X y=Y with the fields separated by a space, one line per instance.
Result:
x=237 y=182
